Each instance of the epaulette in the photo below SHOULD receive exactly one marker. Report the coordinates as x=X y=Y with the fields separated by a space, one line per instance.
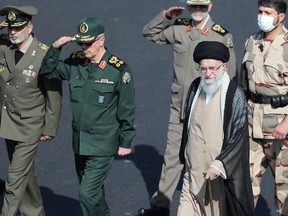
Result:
x=43 y=46
x=219 y=29
x=4 y=37
x=117 y=62
x=182 y=21
x=77 y=54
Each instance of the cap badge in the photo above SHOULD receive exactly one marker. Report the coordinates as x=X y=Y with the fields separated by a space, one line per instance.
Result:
x=83 y=28
x=11 y=16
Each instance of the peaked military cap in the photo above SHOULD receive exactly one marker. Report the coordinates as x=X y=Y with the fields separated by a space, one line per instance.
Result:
x=88 y=29
x=211 y=50
x=198 y=2
x=17 y=16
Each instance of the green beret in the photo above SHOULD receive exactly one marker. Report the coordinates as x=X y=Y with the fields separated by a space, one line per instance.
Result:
x=17 y=16
x=211 y=50
x=88 y=29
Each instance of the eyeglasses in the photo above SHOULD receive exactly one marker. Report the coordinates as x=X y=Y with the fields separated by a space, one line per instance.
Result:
x=213 y=69
x=87 y=44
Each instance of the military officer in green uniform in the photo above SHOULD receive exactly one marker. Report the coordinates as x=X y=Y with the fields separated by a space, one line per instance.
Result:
x=30 y=109
x=102 y=100
x=184 y=35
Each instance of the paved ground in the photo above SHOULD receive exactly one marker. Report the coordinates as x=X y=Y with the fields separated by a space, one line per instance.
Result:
x=133 y=179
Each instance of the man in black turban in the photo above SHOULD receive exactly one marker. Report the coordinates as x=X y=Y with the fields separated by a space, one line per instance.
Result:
x=215 y=141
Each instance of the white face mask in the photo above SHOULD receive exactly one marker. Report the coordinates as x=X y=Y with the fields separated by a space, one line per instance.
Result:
x=265 y=23
x=199 y=18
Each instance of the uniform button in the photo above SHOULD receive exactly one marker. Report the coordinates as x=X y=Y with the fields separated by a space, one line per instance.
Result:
x=17 y=87
x=5 y=96
x=4 y=107
x=13 y=99
x=204 y=151
x=7 y=83
x=12 y=111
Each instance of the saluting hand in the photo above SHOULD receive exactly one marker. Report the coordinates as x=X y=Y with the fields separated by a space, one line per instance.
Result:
x=123 y=151
x=62 y=41
x=173 y=12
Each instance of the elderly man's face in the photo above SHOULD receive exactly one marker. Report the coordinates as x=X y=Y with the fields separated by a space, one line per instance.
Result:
x=19 y=35
x=212 y=73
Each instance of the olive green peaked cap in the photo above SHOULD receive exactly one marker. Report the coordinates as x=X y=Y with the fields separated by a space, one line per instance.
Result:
x=17 y=16
x=88 y=29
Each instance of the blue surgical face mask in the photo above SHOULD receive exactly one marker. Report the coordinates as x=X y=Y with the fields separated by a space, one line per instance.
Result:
x=265 y=23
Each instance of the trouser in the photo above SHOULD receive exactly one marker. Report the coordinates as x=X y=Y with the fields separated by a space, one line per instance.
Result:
x=22 y=191
x=171 y=168
x=274 y=154
x=92 y=172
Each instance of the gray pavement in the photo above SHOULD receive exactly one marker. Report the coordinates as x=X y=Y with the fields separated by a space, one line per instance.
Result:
x=132 y=179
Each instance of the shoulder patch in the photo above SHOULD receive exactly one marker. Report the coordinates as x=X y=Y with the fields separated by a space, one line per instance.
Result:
x=43 y=46
x=77 y=54
x=219 y=29
x=117 y=62
x=182 y=21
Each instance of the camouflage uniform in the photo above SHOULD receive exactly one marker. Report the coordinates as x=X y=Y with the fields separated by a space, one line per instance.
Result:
x=265 y=64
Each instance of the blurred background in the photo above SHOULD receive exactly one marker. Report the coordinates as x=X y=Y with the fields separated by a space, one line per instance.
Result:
x=133 y=179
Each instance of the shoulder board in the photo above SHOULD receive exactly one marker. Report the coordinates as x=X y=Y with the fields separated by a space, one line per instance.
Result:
x=4 y=37
x=117 y=62
x=219 y=29
x=43 y=46
x=182 y=21
x=77 y=55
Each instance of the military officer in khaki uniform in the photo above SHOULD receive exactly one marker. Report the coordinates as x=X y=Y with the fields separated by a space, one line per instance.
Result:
x=30 y=109
x=184 y=35
x=265 y=67
x=103 y=108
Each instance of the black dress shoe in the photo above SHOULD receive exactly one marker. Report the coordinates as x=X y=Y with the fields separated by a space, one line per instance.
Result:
x=2 y=186
x=154 y=211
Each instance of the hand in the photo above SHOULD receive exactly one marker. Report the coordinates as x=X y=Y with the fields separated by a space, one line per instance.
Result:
x=62 y=41
x=46 y=138
x=212 y=173
x=281 y=129
x=123 y=151
x=173 y=12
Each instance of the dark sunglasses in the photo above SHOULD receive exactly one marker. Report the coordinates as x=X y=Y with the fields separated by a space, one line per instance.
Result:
x=87 y=44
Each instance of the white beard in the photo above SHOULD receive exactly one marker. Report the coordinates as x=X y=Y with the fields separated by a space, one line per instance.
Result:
x=20 y=39
x=211 y=86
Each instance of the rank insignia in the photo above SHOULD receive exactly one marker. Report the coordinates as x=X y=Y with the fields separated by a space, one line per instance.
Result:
x=229 y=43
x=182 y=21
x=43 y=46
x=219 y=29
x=206 y=31
x=126 y=78
x=117 y=63
x=102 y=64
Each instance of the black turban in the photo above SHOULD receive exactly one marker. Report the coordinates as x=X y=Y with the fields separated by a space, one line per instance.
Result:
x=211 y=50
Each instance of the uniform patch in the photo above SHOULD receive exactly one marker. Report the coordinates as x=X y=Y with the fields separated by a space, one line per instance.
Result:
x=206 y=31
x=117 y=62
x=126 y=78
x=43 y=46
x=101 y=99
x=229 y=43
x=219 y=29
x=102 y=64
x=182 y=21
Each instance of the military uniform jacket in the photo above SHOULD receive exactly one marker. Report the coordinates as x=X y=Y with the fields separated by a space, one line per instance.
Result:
x=184 y=39
x=102 y=99
x=265 y=66
x=30 y=104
